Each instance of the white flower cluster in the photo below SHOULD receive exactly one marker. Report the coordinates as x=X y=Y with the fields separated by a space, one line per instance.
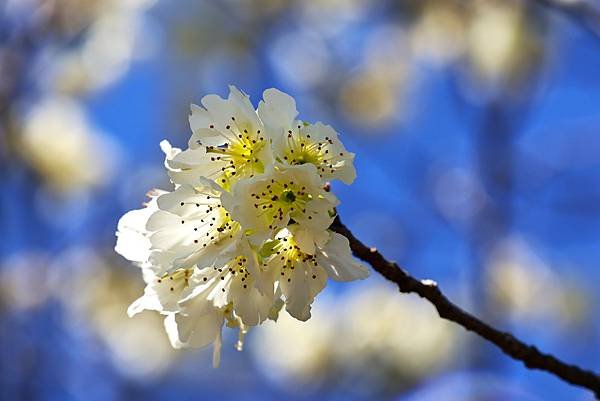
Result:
x=245 y=229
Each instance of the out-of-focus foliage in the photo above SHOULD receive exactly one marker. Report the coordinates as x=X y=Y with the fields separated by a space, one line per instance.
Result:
x=475 y=126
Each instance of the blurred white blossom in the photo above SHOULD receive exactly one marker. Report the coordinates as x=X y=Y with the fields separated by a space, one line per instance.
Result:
x=438 y=34
x=374 y=93
x=331 y=17
x=501 y=46
x=531 y=291
x=116 y=34
x=370 y=330
x=404 y=333
x=65 y=148
x=23 y=281
x=306 y=346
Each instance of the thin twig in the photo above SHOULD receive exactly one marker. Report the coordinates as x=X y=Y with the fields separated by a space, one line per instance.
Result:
x=515 y=348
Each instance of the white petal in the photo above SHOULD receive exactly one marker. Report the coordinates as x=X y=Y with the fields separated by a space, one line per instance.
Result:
x=184 y=177
x=200 y=123
x=189 y=201
x=190 y=158
x=132 y=241
x=277 y=111
x=339 y=157
x=217 y=345
x=167 y=230
x=133 y=246
x=277 y=305
x=249 y=304
x=336 y=258
x=261 y=279
x=188 y=166
x=237 y=105
x=199 y=118
x=212 y=284
x=197 y=326
x=169 y=151
x=151 y=270
x=308 y=239
x=163 y=293
x=191 y=226
x=135 y=220
x=305 y=282
x=316 y=218
x=172 y=331
x=243 y=104
x=144 y=302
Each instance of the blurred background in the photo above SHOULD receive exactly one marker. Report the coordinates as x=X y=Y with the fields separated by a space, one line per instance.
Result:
x=476 y=128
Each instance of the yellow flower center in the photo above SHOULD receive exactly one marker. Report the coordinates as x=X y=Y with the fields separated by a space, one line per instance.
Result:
x=277 y=199
x=241 y=155
x=301 y=149
x=289 y=254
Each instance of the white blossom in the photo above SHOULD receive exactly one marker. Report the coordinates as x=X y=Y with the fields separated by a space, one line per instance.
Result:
x=295 y=142
x=267 y=203
x=245 y=229
x=301 y=276
x=234 y=280
x=191 y=226
x=228 y=142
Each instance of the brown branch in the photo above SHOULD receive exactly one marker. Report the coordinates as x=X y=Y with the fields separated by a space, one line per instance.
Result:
x=513 y=347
